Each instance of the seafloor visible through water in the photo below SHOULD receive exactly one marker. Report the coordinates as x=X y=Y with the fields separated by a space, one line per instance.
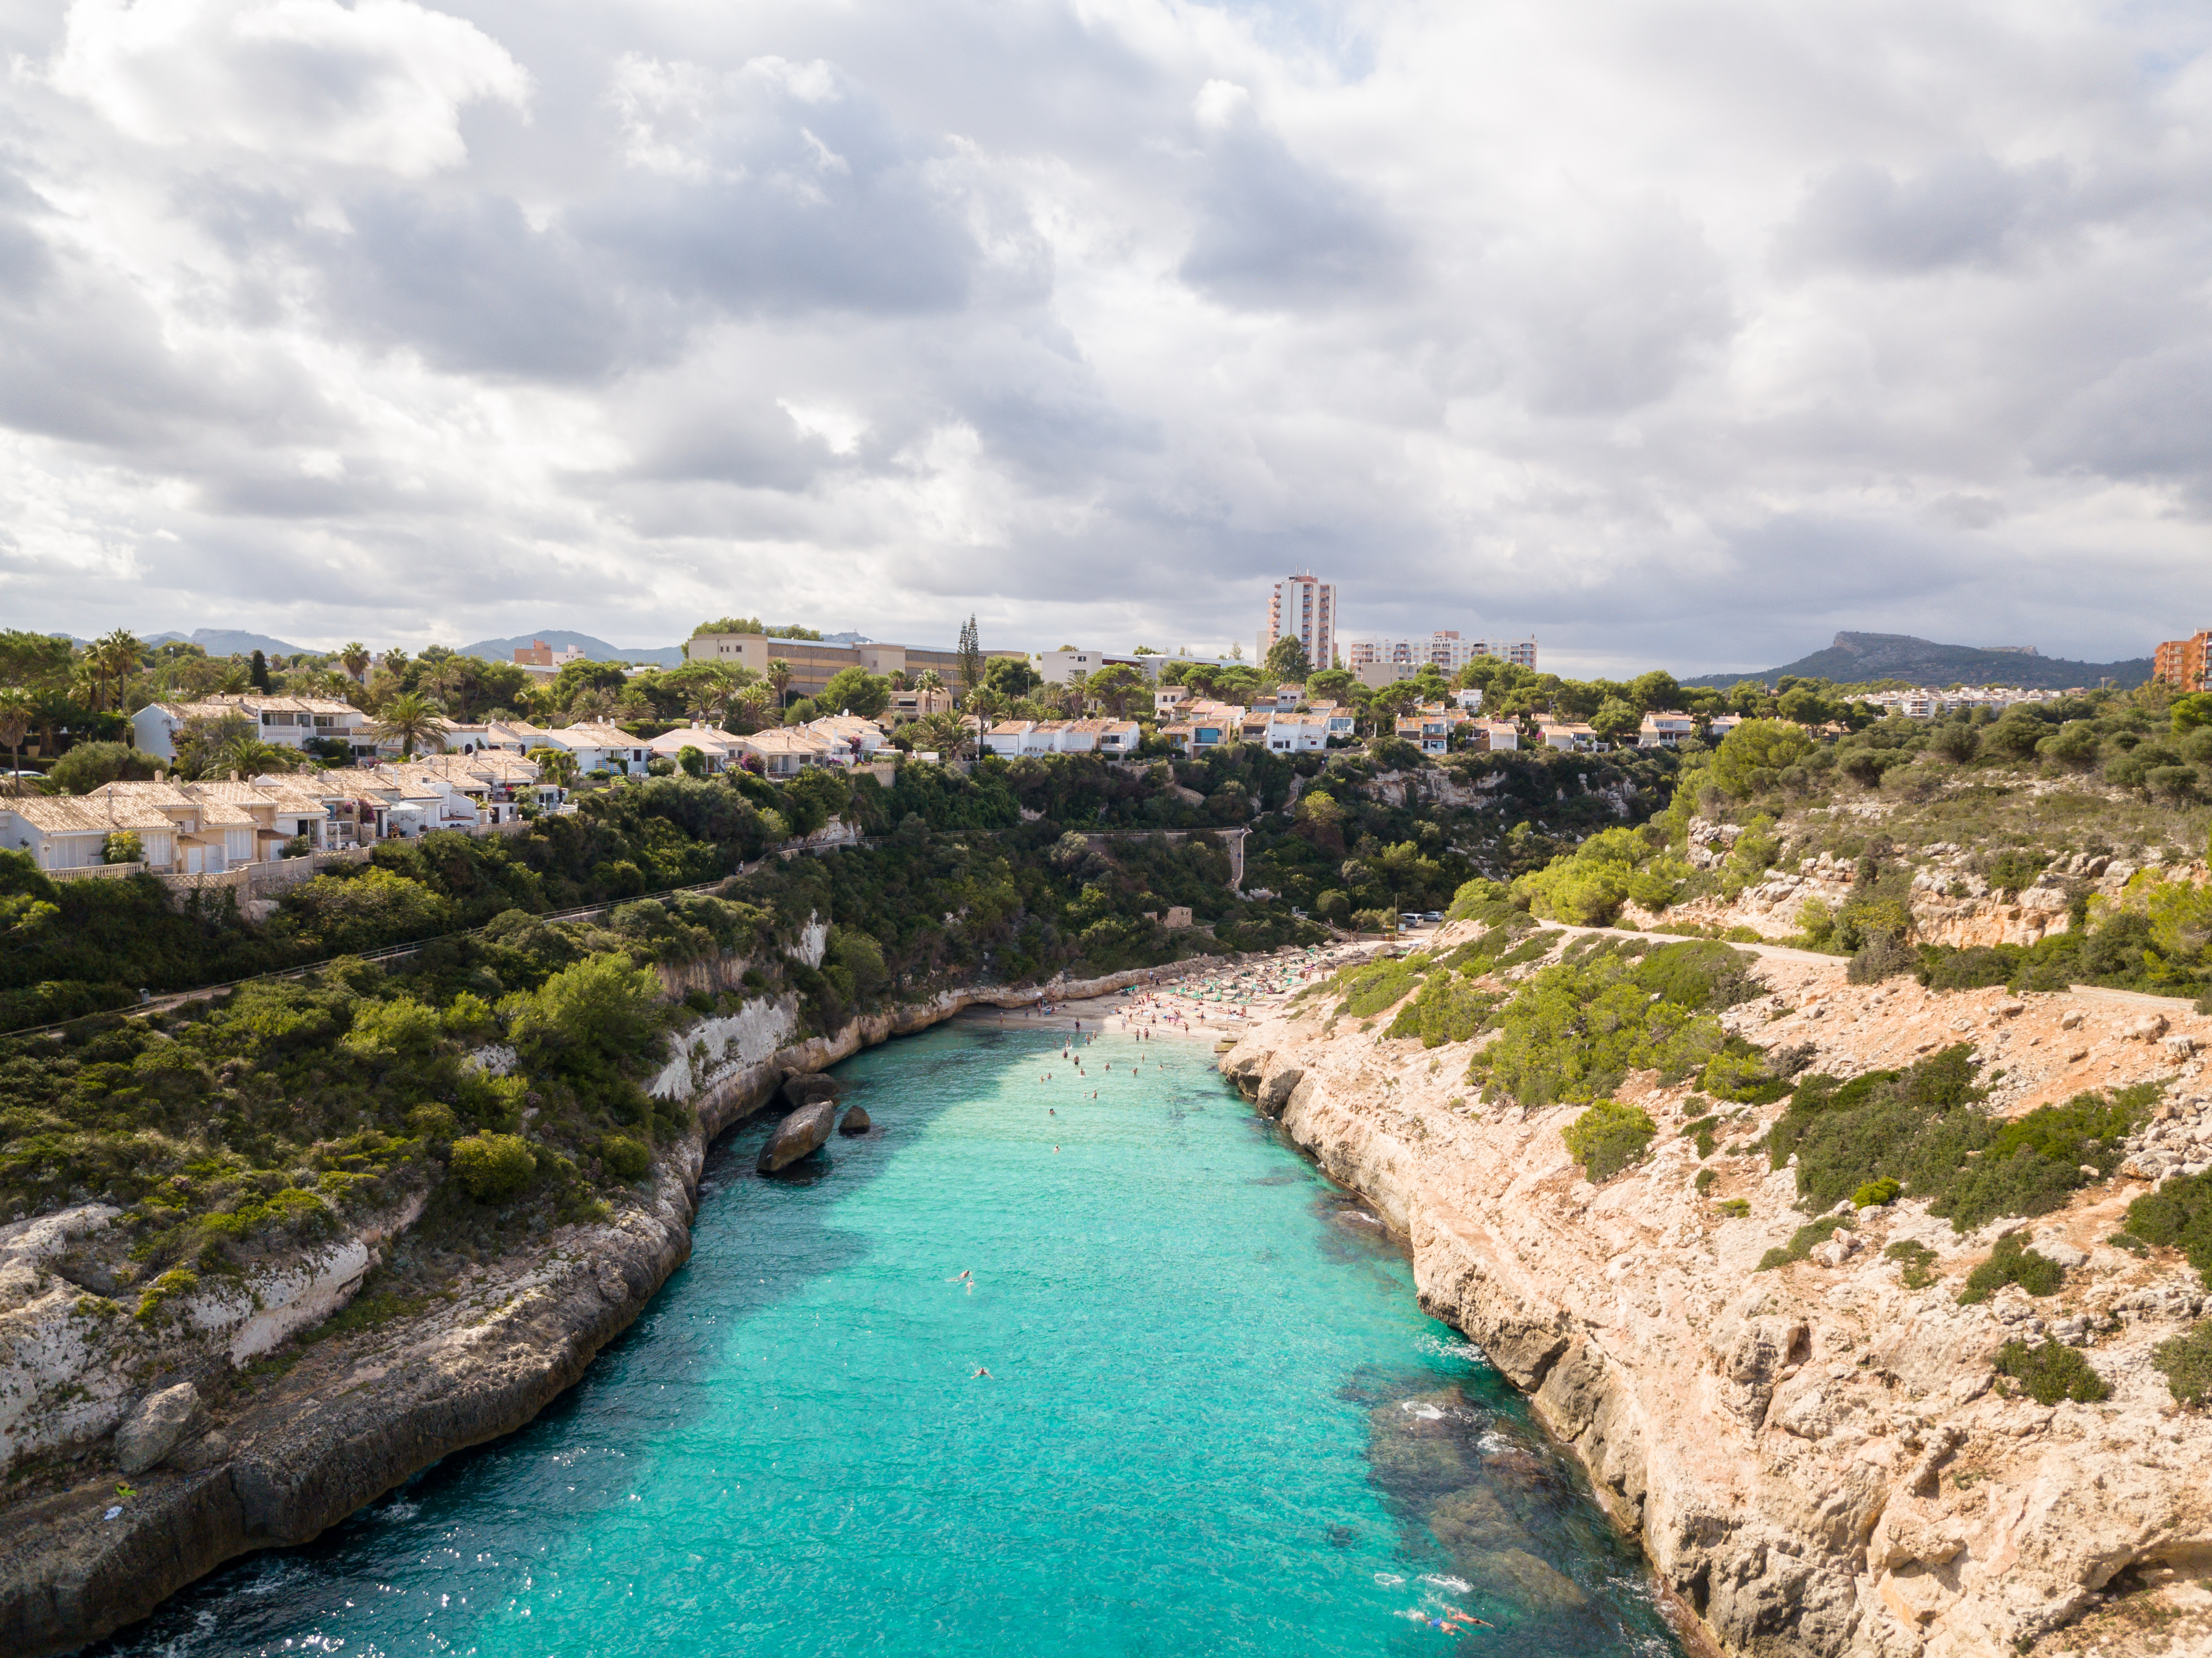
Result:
x=1213 y=1420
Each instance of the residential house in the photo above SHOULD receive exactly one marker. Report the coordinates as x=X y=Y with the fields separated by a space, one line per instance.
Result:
x=1204 y=725
x=505 y=736
x=1296 y=734
x=597 y=746
x=1469 y=698
x=719 y=748
x=1167 y=700
x=1496 y=736
x=289 y=722
x=2185 y=664
x=1007 y=739
x=212 y=835
x=858 y=738
x=1568 y=735
x=61 y=832
x=1664 y=729
x=1722 y=724
x=1117 y=737
x=1338 y=719
x=785 y=750
x=283 y=811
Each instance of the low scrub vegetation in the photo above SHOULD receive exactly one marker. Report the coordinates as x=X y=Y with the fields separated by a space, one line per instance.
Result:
x=2051 y=1372
x=2177 y=1216
x=1608 y=1137
x=1924 y=1130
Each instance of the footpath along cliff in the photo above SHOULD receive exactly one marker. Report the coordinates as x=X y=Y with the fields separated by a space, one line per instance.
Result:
x=1820 y=1457
x=353 y=1406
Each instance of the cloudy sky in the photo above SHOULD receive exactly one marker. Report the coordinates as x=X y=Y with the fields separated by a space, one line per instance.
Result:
x=1675 y=332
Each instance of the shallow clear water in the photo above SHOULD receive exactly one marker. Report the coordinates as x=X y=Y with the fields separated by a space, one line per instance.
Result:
x=1215 y=1420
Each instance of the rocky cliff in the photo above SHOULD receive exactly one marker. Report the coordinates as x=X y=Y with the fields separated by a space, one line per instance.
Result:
x=1818 y=1457
x=280 y=1450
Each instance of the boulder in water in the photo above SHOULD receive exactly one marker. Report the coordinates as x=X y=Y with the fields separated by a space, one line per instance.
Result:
x=856 y=1121
x=799 y=1135
x=805 y=1087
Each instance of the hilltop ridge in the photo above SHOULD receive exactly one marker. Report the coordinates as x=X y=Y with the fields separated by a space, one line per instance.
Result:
x=1856 y=658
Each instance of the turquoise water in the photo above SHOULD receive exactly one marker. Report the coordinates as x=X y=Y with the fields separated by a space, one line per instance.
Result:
x=1214 y=1421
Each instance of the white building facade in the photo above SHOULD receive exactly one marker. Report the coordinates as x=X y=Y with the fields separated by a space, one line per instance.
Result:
x=1303 y=607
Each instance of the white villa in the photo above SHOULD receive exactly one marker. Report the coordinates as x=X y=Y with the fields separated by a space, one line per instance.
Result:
x=293 y=722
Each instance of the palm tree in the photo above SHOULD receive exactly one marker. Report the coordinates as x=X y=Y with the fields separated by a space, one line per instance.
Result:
x=116 y=657
x=18 y=714
x=779 y=675
x=407 y=720
x=354 y=657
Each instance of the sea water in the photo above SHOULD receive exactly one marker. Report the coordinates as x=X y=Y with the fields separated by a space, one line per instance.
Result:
x=1066 y=1355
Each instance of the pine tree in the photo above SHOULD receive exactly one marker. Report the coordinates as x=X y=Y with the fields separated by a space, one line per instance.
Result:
x=971 y=654
x=258 y=674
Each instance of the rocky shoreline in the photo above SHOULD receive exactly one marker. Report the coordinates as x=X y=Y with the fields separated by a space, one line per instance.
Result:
x=1817 y=1459
x=360 y=1414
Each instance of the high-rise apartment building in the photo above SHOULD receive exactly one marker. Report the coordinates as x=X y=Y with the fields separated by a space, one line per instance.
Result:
x=1303 y=608
x=1445 y=648
x=2184 y=664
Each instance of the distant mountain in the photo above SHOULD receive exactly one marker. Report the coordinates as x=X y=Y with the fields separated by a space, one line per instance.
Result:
x=229 y=642
x=597 y=650
x=1853 y=659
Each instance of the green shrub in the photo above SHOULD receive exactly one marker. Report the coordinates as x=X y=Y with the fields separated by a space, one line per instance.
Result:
x=1735 y=1208
x=1705 y=1179
x=1589 y=885
x=2129 y=1242
x=2179 y=1216
x=1577 y=1029
x=1608 y=1137
x=2051 y=1372
x=1918 y=1261
x=1475 y=897
x=1876 y=1193
x=2012 y=1262
x=1801 y=1241
x=1924 y=1128
x=624 y=1156
x=493 y=1167
x=1368 y=990
x=1700 y=1129
x=2185 y=1361
x=1449 y=1009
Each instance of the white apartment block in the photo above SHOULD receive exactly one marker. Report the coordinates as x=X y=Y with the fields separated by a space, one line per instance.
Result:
x=1303 y=608
x=1445 y=648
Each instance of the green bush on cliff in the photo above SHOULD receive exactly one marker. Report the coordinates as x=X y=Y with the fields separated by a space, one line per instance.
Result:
x=2177 y=1216
x=1577 y=1029
x=2051 y=1372
x=1368 y=990
x=1924 y=1127
x=2185 y=1361
x=1449 y=1009
x=493 y=1167
x=2012 y=1262
x=1589 y=885
x=625 y=1158
x=1608 y=1138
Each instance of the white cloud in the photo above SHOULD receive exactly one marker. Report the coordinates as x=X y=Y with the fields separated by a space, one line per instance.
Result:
x=378 y=84
x=1684 y=333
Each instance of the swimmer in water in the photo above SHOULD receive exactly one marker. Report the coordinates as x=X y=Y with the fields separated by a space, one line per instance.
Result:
x=979 y=1370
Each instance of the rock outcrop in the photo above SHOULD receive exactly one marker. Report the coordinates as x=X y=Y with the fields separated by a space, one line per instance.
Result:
x=152 y=1430
x=856 y=1122
x=801 y=1134
x=1815 y=1456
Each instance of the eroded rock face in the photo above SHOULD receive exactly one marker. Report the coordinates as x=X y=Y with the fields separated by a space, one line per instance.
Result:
x=800 y=1134
x=1815 y=1455
x=154 y=1426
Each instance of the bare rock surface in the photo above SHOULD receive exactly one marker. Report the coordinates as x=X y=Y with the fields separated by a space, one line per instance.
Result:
x=801 y=1134
x=856 y=1121
x=1815 y=1456
x=152 y=1430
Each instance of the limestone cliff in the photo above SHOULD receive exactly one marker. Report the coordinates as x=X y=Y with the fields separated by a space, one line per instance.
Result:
x=1815 y=1456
